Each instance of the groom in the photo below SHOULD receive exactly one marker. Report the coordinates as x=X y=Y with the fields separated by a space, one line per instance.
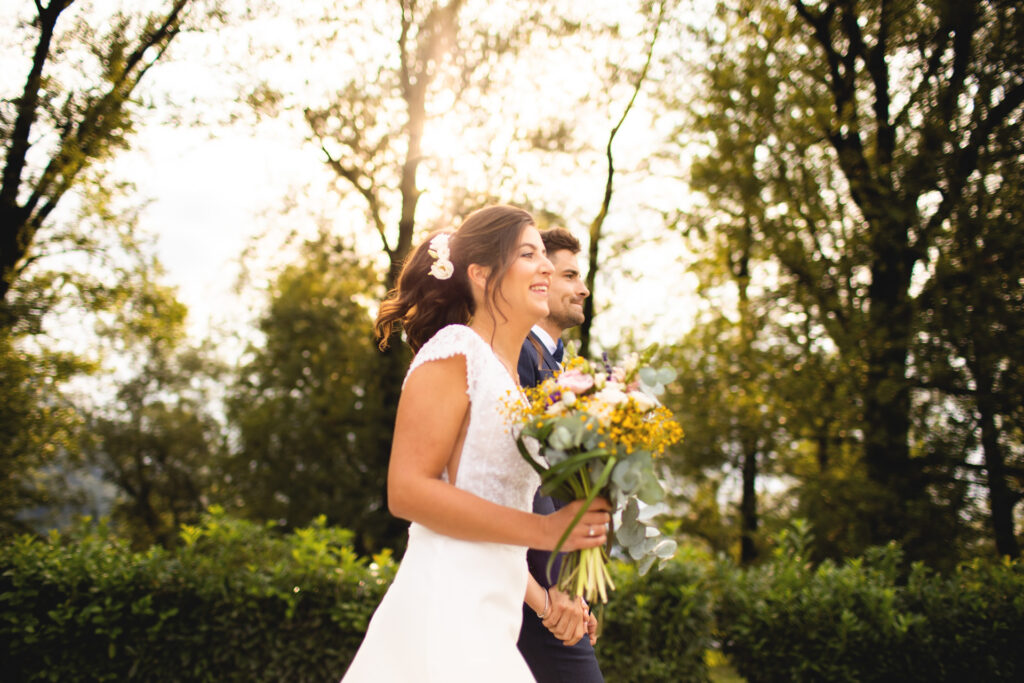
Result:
x=549 y=659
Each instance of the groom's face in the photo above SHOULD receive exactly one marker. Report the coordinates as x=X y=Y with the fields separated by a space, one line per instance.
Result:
x=567 y=290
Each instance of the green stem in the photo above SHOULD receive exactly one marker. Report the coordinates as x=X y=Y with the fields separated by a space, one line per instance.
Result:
x=591 y=495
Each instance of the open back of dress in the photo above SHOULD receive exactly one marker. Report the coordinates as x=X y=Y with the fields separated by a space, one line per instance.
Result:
x=454 y=610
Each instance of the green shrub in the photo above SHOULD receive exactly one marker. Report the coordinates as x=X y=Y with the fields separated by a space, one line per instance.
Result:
x=236 y=602
x=861 y=621
x=968 y=625
x=239 y=602
x=657 y=627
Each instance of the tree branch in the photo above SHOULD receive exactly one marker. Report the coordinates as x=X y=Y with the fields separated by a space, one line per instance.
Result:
x=27 y=105
x=598 y=222
x=885 y=132
x=369 y=194
x=84 y=142
x=965 y=161
x=923 y=172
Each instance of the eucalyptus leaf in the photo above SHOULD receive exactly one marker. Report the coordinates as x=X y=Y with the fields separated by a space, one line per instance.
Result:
x=642 y=549
x=666 y=375
x=579 y=430
x=555 y=455
x=648 y=376
x=630 y=534
x=632 y=512
x=665 y=548
x=627 y=476
x=650 y=491
x=561 y=438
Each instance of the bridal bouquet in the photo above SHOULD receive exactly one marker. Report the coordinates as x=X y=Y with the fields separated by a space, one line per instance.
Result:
x=598 y=429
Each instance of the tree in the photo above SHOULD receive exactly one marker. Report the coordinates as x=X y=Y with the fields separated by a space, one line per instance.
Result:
x=371 y=132
x=306 y=406
x=38 y=427
x=158 y=440
x=373 y=124
x=56 y=130
x=863 y=123
x=597 y=224
x=724 y=406
x=970 y=345
x=76 y=277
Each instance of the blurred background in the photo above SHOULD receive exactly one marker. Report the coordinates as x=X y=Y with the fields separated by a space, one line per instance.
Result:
x=815 y=209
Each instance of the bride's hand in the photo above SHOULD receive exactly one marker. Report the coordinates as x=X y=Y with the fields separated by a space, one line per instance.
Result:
x=567 y=618
x=590 y=532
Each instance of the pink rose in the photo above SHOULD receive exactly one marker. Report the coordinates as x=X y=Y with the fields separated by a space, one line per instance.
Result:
x=575 y=381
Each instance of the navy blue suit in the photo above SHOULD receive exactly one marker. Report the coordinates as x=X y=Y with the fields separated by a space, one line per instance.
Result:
x=549 y=660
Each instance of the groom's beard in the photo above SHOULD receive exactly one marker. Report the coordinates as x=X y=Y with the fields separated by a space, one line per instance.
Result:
x=567 y=318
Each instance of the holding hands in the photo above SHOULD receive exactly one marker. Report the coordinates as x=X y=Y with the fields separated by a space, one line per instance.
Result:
x=569 y=619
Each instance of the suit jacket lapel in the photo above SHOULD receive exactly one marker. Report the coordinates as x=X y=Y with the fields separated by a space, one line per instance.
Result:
x=547 y=361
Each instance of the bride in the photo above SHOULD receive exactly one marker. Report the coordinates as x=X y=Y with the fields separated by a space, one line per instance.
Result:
x=466 y=301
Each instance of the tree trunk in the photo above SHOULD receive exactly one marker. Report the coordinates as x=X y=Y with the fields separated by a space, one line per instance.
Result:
x=886 y=392
x=1000 y=498
x=392 y=362
x=598 y=222
x=739 y=265
x=748 y=504
x=15 y=231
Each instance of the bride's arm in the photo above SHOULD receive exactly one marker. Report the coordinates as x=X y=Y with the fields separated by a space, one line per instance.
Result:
x=427 y=428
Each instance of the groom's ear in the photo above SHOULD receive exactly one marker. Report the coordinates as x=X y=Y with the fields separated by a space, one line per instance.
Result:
x=478 y=275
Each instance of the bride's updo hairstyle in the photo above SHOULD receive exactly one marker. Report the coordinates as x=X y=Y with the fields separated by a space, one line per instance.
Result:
x=423 y=303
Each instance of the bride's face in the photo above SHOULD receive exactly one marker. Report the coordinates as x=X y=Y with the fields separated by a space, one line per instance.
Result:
x=524 y=289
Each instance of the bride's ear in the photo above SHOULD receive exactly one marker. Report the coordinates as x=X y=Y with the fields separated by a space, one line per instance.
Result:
x=478 y=275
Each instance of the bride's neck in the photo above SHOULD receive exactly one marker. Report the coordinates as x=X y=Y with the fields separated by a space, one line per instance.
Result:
x=504 y=336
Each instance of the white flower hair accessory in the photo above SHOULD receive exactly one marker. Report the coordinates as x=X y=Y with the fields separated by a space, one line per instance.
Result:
x=442 y=268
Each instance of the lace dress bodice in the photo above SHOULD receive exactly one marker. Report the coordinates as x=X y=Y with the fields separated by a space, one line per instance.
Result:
x=490 y=465
x=453 y=612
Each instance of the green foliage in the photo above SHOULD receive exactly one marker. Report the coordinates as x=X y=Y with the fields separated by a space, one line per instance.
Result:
x=834 y=182
x=728 y=402
x=76 y=109
x=239 y=601
x=157 y=441
x=971 y=345
x=757 y=400
x=38 y=427
x=970 y=621
x=657 y=627
x=234 y=602
x=307 y=404
x=864 y=620
x=89 y=306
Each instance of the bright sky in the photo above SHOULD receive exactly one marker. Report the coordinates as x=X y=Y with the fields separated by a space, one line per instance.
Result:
x=207 y=197
x=212 y=190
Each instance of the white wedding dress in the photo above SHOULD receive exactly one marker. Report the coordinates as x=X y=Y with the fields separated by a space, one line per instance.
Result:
x=453 y=612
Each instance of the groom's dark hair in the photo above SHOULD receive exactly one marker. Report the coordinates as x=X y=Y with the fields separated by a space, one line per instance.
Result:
x=557 y=239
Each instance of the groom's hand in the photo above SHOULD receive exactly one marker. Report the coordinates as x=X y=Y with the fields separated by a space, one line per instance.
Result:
x=591 y=623
x=567 y=619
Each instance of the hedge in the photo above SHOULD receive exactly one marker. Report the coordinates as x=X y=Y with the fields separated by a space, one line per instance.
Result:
x=235 y=602
x=870 y=620
x=657 y=627
x=239 y=602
